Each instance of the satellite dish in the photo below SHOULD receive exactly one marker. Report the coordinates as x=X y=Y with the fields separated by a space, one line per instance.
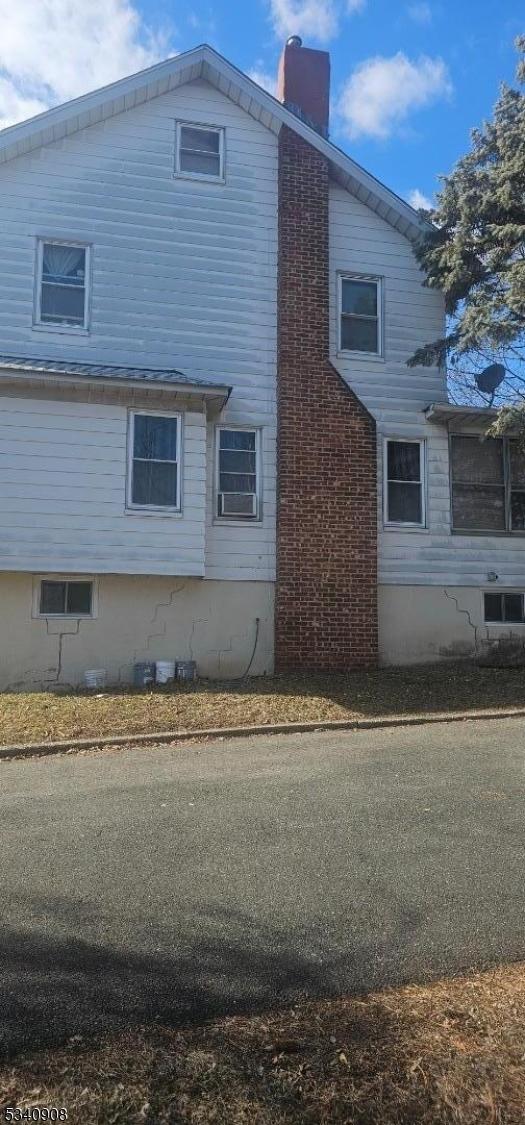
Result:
x=488 y=380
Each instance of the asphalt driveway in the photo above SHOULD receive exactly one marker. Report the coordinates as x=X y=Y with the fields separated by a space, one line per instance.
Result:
x=178 y=883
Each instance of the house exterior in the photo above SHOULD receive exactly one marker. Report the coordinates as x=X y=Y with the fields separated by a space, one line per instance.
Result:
x=211 y=447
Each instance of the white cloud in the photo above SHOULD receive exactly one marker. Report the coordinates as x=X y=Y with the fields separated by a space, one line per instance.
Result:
x=53 y=50
x=417 y=199
x=355 y=6
x=316 y=18
x=264 y=79
x=382 y=92
x=420 y=12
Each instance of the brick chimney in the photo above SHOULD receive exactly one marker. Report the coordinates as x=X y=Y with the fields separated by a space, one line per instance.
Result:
x=326 y=581
x=303 y=83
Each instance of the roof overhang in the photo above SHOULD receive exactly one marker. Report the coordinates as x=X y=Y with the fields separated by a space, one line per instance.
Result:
x=205 y=63
x=451 y=415
x=42 y=374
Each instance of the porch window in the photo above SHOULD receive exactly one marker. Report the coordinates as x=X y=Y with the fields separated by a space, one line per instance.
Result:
x=487 y=484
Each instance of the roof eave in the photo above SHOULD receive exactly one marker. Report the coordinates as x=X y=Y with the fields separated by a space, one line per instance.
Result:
x=216 y=395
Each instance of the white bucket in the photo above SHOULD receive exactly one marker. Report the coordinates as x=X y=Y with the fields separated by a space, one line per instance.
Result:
x=164 y=671
x=95 y=678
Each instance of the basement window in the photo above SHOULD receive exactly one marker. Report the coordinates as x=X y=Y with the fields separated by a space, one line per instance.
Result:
x=360 y=314
x=199 y=151
x=65 y=597
x=504 y=609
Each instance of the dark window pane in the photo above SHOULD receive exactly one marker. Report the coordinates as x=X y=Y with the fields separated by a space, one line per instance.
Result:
x=237 y=482
x=477 y=462
x=358 y=335
x=154 y=483
x=359 y=297
x=513 y=607
x=236 y=461
x=155 y=438
x=404 y=460
x=206 y=164
x=64 y=263
x=478 y=508
x=517 y=506
x=236 y=439
x=404 y=503
x=517 y=464
x=78 y=597
x=61 y=303
x=203 y=140
x=493 y=607
x=52 y=597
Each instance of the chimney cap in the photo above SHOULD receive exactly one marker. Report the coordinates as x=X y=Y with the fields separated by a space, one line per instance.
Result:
x=294 y=41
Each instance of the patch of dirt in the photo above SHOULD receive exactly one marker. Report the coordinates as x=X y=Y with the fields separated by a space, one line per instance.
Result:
x=448 y=1053
x=437 y=688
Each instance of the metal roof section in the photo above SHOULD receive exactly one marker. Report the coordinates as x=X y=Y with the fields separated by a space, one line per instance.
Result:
x=445 y=413
x=205 y=63
x=67 y=370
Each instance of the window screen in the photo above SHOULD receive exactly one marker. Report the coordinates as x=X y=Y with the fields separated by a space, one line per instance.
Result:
x=66 y=598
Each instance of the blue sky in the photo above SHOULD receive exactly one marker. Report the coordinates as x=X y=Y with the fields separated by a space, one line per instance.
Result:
x=409 y=79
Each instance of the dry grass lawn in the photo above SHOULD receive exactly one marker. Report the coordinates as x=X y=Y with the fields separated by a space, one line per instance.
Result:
x=449 y=1053
x=42 y=716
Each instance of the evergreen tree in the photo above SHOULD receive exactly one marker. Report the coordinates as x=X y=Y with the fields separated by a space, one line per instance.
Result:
x=475 y=254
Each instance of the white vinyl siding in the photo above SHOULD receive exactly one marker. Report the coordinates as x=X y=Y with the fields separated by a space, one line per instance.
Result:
x=63 y=475
x=199 y=151
x=183 y=275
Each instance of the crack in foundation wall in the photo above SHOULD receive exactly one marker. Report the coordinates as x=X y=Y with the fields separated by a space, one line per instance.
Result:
x=466 y=613
x=142 y=649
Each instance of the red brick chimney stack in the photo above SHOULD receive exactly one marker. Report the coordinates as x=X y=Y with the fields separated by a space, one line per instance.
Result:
x=303 y=83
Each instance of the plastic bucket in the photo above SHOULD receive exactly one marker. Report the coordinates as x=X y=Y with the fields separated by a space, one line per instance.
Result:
x=95 y=678
x=186 y=671
x=144 y=673
x=164 y=671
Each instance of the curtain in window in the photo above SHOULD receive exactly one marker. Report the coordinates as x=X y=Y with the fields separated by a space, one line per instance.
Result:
x=66 y=262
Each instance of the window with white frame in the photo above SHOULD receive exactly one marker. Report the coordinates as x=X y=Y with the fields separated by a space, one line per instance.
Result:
x=360 y=314
x=62 y=284
x=238 y=473
x=199 y=151
x=404 y=483
x=504 y=609
x=154 y=461
x=65 y=597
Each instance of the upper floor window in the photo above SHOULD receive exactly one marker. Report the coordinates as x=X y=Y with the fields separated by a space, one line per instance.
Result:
x=360 y=314
x=487 y=484
x=154 y=461
x=199 y=151
x=404 y=483
x=62 y=288
x=238 y=473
